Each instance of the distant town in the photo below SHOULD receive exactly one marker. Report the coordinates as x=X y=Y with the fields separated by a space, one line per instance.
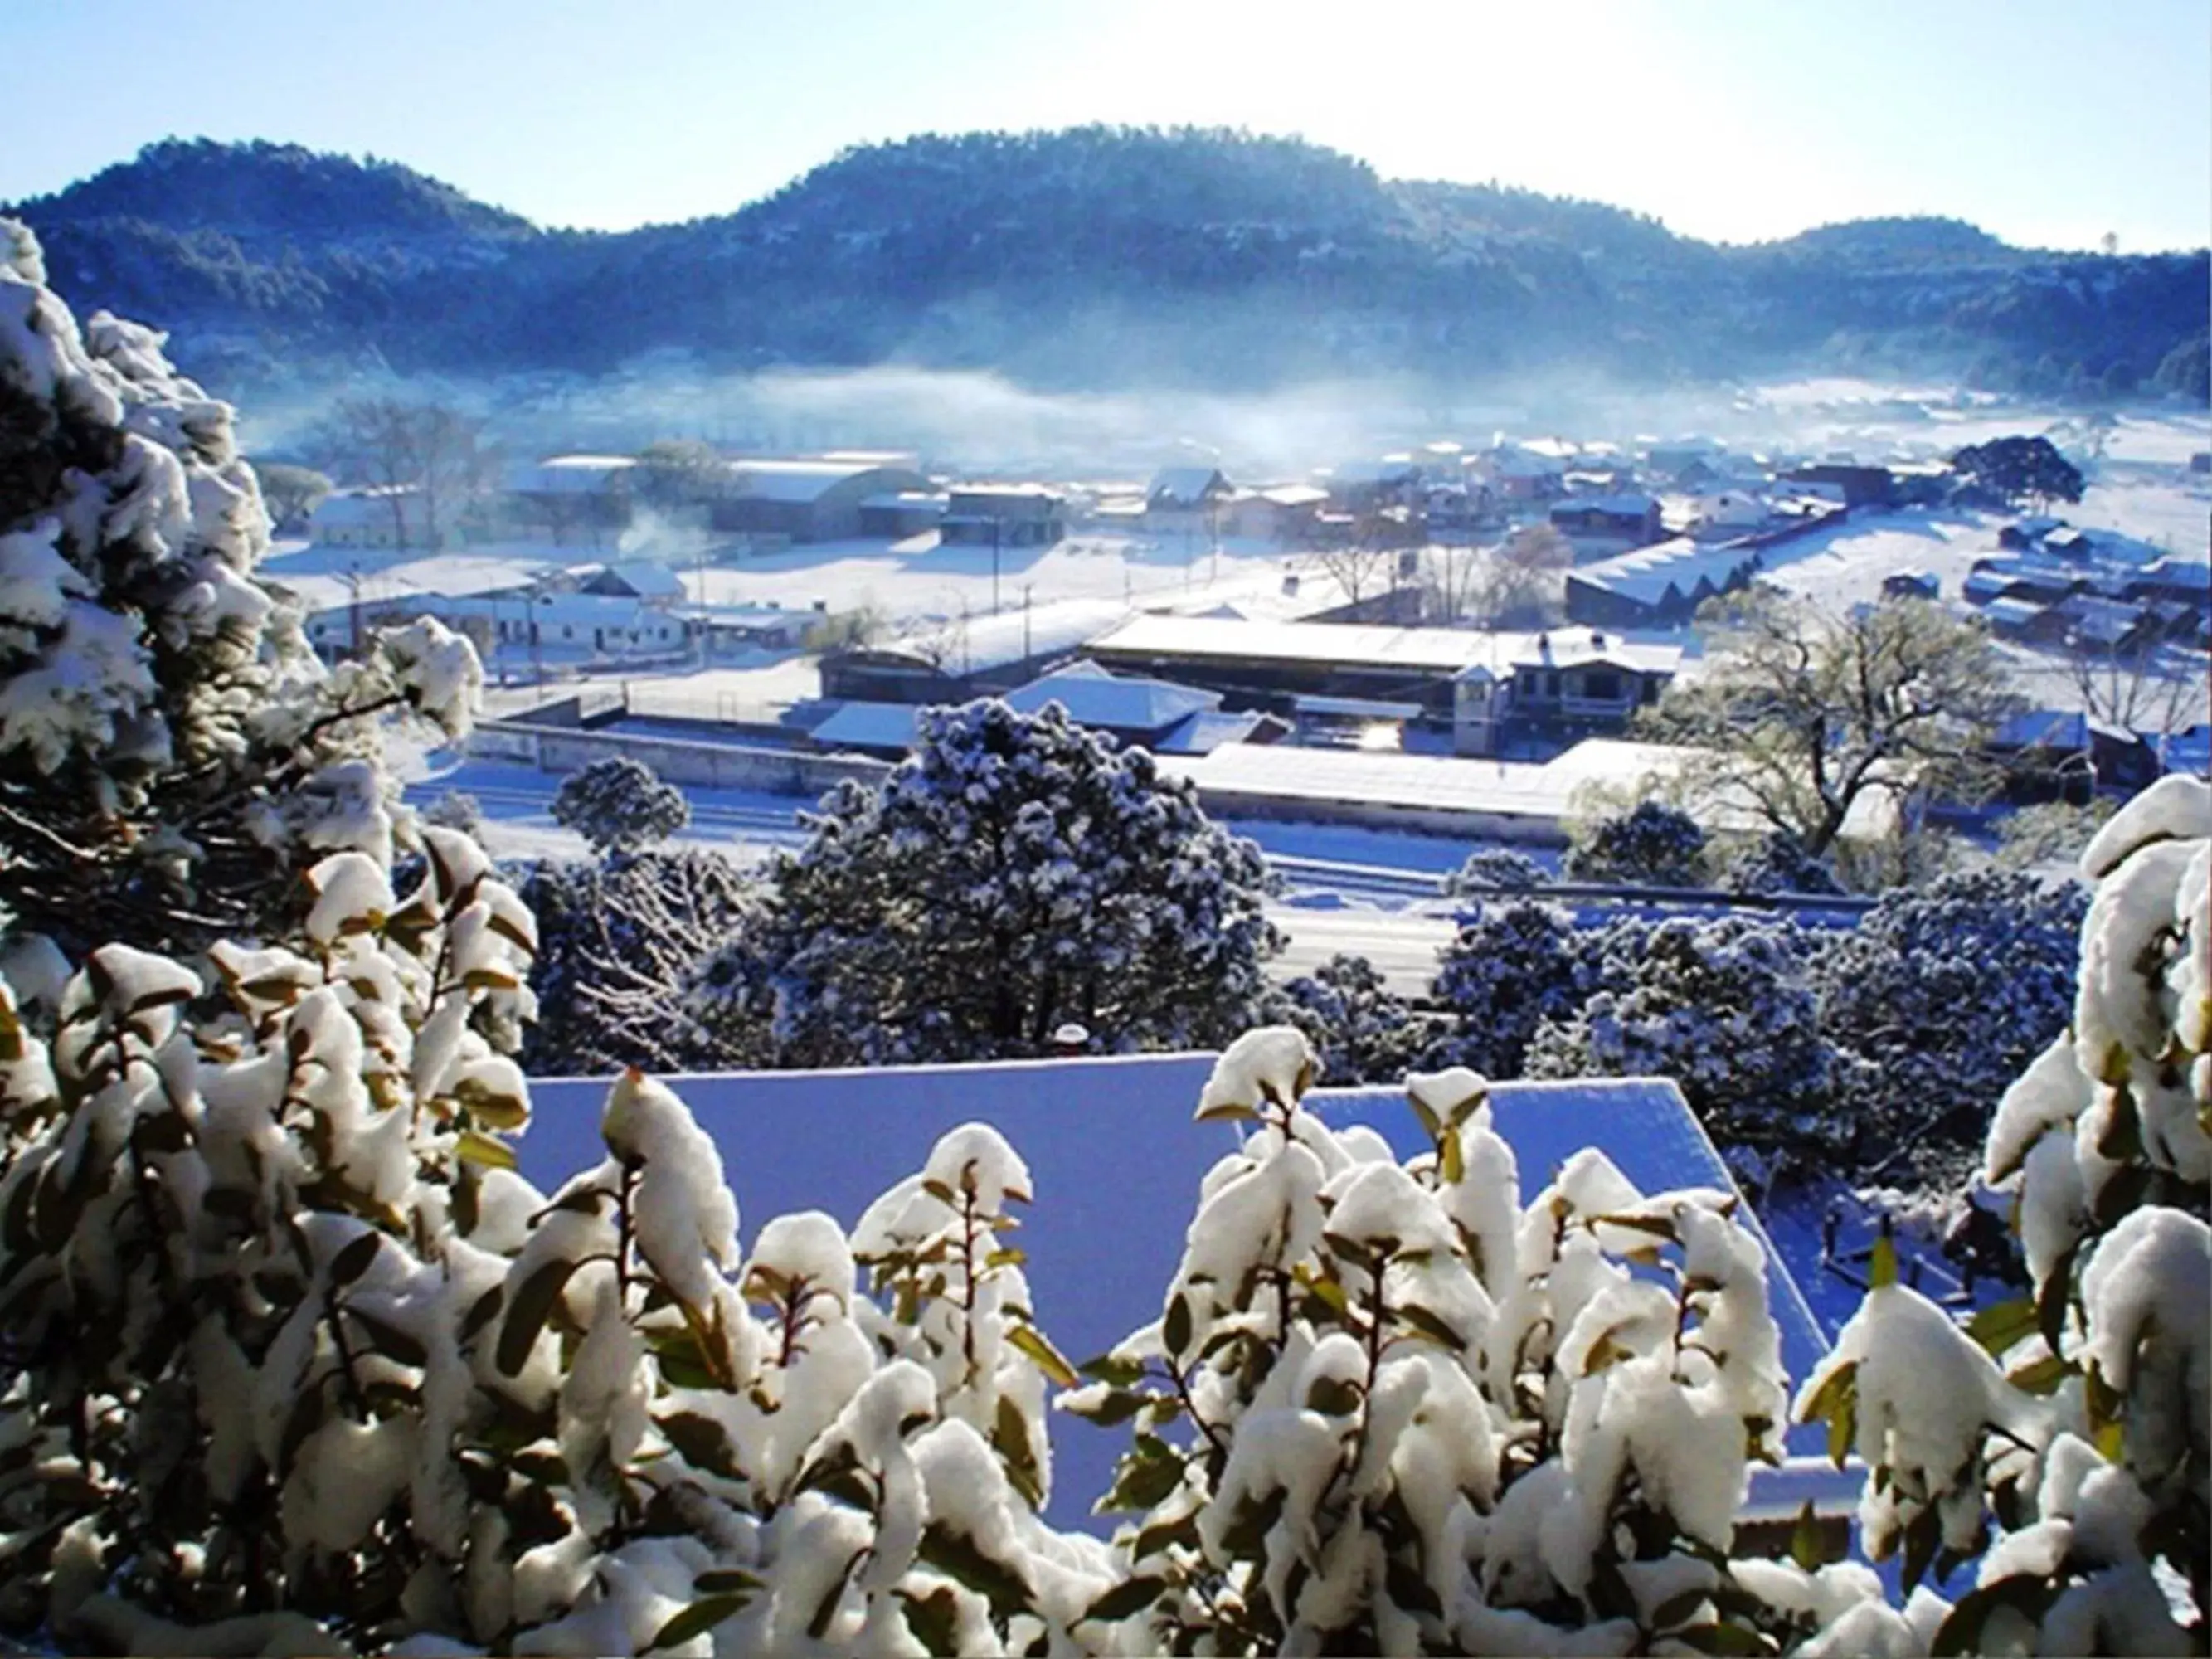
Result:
x=1451 y=638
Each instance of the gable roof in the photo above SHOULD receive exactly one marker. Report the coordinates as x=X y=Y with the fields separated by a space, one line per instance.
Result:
x=1650 y=575
x=1186 y=486
x=1092 y=697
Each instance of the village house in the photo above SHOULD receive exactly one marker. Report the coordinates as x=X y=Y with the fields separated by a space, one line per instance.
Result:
x=378 y=517
x=1557 y=686
x=1658 y=586
x=1599 y=524
x=1004 y=515
x=809 y=501
x=570 y=497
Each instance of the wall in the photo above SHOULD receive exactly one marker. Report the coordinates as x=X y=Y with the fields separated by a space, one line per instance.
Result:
x=704 y=765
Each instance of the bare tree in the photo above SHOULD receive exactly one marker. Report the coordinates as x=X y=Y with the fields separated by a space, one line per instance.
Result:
x=430 y=454
x=2142 y=689
x=1800 y=714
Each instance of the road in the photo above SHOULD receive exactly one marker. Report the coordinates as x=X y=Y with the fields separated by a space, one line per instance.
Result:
x=1403 y=947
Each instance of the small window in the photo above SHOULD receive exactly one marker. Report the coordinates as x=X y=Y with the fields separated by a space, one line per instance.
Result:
x=1602 y=686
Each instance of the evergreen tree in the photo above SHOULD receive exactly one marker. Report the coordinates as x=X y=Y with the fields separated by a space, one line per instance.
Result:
x=173 y=756
x=1652 y=845
x=618 y=805
x=1939 y=998
x=618 y=942
x=1722 y=1007
x=1015 y=873
x=1514 y=965
x=1362 y=1031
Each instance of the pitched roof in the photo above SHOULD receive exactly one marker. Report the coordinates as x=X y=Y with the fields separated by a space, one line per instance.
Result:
x=1092 y=697
x=1648 y=574
x=869 y=725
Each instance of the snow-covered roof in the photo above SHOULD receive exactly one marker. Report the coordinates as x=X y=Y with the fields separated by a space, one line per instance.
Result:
x=450 y=576
x=1342 y=644
x=1187 y=486
x=1648 y=574
x=2014 y=613
x=1400 y=471
x=1577 y=647
x=569 y=475
x=1293 y=495
x=1537 y=799
x=1010 y=636
x=869 y=725
x=1630 y=504
x=796 y=481
x=1203 y=733
x=1092 y=697
x=1115 y=1161
x=646 y=579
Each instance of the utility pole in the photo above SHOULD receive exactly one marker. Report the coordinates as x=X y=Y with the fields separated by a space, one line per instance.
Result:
x=997 y=523
x=353 y=604
x=1025 y=619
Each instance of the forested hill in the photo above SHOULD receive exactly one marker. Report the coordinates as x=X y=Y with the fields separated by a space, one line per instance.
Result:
x=1093 y=257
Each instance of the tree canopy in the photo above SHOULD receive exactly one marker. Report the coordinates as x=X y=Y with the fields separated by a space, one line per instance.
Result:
x=2020 y=469
x=1801 y=714
x=1017 y=872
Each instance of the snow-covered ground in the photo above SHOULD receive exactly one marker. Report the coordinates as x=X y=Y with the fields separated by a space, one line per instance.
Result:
x=1842 y=567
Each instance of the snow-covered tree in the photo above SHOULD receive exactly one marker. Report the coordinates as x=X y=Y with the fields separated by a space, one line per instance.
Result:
x=1651 y=845
x=1016 y=872
x=1494 y=870
x=1939 y=997
x=1723 y=1008
x=619 y=941
x=1778 y=863
x=173 y=756
x=1514 y=964
x=1362 y=1030
x=1801 y=714
x=1391 y=1408
x=619 y=805
x=2074 y=1424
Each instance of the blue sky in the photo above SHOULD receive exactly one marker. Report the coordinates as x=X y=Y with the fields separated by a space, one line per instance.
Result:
x=2050 y=122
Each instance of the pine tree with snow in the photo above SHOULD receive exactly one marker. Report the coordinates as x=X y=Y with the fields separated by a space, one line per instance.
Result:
x=1015 y=873
x=1495 y=870
x=1514 y=964
x=1724 y=1009
x=1652 y=845
x=1938 y=998
x=1778 y=863
x=173 y=758
x=619 y=805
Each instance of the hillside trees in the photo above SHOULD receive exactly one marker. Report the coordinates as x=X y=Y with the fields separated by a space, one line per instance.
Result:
x=1016 y=872
x=1801 y=715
